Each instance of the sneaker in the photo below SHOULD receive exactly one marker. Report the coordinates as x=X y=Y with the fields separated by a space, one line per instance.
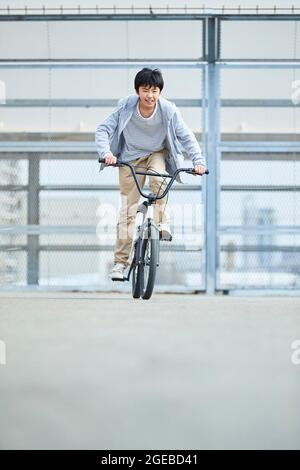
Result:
x=165 y=232
x=117 y=273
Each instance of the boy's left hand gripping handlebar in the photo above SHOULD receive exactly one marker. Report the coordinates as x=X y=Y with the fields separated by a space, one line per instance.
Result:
x=102 y=160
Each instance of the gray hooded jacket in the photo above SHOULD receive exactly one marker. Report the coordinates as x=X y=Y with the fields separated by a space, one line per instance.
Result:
x=109 y=134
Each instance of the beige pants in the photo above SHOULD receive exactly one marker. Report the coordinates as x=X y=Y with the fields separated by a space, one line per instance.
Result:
x=130 y=198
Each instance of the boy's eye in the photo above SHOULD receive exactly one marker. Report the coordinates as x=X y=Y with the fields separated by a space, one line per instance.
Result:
x=147 y=89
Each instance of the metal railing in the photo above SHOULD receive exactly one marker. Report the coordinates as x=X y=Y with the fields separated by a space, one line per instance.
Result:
x=210 y=64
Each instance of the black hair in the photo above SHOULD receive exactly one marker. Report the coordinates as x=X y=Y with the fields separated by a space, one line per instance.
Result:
x=148 y=77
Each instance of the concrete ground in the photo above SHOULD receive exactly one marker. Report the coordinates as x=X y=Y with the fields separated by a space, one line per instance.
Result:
x=104 y=371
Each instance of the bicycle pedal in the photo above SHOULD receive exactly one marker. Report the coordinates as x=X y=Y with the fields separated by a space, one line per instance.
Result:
x=116 y=279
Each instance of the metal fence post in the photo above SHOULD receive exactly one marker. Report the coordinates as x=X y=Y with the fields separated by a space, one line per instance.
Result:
x=212 y=154
x=33 y=218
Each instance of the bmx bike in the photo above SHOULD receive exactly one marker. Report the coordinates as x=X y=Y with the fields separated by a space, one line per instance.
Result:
x=144 y=255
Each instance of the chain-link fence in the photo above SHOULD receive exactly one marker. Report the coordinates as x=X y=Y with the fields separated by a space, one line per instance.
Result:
x=237 y=230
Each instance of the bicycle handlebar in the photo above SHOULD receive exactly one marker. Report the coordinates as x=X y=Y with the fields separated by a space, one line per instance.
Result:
x=173 y=177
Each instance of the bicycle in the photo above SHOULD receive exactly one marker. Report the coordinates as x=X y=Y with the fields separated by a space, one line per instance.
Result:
x=144 y=255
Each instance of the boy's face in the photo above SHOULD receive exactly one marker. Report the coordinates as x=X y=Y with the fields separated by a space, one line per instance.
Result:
x=149 y=96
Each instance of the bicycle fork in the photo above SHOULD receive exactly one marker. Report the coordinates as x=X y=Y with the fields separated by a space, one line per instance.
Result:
x=145 y=212
x=139 y=221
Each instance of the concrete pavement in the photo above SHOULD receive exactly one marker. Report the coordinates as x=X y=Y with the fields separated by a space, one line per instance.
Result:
x=104 y=371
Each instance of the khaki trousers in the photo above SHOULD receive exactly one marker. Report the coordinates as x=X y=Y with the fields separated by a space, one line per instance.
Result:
x=130 y=198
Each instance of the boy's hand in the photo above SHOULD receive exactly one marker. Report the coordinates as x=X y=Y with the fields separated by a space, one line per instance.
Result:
x=110 y=159
x=200 y=169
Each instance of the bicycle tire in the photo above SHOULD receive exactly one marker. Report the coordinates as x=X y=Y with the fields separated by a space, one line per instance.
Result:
x=150 y=246
x=136 y=278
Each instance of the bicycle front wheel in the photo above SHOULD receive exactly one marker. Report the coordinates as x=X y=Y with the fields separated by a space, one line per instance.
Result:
x=136 y=281
x=148 y=266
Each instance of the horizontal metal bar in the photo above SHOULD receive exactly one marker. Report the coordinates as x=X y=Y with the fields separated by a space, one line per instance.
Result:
x=254 y=60
x=58 y=103
x=275 y=156
x=151 y=14
x=164 y=247
x=258 y=64
x=44 y=287
x=104 y=17
x=259 y=229
x=82 y=60
x=259 y=16
x=107 y=64
x=34 y=229
x=53 y=248
x=13 y=247
x=190 y=103
x=238 y=155
x=14 y=187
x=47 y=146
x=134 y=9
x=260 y=146
x=47 y=229
x=260 y=187
x=91 y=229
x=86 y=187
x=87 y=147
x=258 y=103
x=259 y=248
x=198 y=63
x=48 y=155
x=107 y=187
x=261 y=143
x=39 y=147
x=83 y=103
x=111 y=187
x=77 y=187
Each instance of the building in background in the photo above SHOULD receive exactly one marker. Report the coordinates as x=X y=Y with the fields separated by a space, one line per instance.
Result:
x=10 y=214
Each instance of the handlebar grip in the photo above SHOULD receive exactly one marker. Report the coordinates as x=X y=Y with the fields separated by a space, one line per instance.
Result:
x=102 y=160
x=192 y=172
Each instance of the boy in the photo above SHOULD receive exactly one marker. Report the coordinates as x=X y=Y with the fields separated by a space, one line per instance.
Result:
x=145 y=130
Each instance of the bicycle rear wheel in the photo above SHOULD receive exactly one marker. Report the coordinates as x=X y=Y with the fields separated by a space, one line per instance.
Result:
x=148 y=267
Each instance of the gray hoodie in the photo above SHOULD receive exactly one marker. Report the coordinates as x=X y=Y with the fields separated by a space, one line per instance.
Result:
x=109 y=134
